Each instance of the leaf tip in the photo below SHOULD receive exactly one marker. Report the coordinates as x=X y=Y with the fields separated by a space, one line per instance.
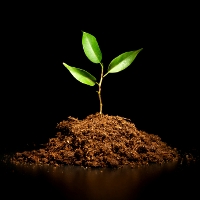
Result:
x=140 y=49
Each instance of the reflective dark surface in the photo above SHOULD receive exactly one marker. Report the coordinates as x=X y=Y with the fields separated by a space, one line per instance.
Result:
x=169 y=181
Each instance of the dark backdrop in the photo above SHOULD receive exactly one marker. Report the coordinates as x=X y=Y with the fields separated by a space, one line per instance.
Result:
x=158 y=92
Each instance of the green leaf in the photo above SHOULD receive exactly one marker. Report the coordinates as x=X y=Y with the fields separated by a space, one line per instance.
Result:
x=91 y=48
x=122 y=61
x=81 y=75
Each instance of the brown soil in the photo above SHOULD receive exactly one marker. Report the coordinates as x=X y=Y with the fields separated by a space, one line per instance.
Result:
x=100 y=141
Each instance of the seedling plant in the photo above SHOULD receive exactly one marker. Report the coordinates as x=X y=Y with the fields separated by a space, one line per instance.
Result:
x=93 y=53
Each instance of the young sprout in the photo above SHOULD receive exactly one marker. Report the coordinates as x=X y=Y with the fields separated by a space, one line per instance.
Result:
x=93 y=53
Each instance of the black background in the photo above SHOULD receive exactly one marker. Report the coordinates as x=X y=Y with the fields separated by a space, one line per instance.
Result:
x=158 y=92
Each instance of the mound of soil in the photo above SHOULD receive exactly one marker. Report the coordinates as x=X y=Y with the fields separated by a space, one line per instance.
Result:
x=100 y=141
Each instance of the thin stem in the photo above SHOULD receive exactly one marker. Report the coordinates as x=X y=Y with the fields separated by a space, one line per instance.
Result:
x=99 y=92
x=105 y=74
